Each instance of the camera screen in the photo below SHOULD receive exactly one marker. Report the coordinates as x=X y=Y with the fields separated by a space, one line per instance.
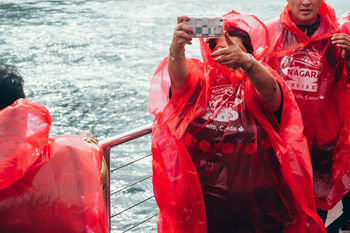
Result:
x=206 y=27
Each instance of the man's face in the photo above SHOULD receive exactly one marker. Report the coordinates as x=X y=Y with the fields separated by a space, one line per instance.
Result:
x=304 y=12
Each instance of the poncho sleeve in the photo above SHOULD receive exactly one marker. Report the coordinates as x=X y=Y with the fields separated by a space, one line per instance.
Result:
x=175 y=179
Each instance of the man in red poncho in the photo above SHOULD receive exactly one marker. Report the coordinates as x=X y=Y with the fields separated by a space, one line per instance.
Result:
x=308 y=51
x=46 y=184
x=224 y=159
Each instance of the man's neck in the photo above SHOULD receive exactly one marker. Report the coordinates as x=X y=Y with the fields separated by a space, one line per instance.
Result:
x=310 y=29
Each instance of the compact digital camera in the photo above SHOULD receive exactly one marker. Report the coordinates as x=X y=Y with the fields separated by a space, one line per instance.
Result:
x=206 y=27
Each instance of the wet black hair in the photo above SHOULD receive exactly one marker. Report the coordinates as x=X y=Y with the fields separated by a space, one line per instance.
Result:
x=234 y=31
x=11 y=85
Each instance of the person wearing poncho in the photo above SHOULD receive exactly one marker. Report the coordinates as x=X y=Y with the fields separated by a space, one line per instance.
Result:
x=47 y=184
x=309 y=52
x=229 y=154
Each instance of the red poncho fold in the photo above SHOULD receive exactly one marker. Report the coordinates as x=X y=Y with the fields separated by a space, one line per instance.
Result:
x=47 y=184
x=177 y=187
x=316 y=73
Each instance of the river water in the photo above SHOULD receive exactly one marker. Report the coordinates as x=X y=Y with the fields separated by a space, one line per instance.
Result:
x=90 y=63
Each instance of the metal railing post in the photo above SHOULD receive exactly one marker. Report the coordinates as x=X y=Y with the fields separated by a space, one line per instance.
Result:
x=107 y=144
x=107 y=192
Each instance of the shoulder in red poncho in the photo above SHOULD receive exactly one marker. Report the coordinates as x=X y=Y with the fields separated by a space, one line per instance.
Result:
x=47 y=184
x=316 y=73
x=216 y=99
x=344 y=22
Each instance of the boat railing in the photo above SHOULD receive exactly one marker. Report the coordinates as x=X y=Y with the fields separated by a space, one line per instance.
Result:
x=107 y=145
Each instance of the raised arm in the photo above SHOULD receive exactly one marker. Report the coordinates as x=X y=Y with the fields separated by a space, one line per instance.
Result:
x=177 y=65
x=263 y=81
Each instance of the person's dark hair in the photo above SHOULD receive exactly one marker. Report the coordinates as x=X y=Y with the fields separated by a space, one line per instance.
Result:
x=234 y=31
x=11 y=85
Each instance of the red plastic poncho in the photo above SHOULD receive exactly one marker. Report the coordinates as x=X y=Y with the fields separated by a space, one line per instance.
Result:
x=264 y=168
x=47 y=184
x=316 y=73
x=344 y=22
x=344 y=18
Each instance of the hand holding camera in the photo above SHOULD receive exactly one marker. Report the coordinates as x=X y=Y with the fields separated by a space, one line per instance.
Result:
x=181 y=37
x=188 y=28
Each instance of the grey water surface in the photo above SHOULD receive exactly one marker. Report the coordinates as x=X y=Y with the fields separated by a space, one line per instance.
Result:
x=90 y=63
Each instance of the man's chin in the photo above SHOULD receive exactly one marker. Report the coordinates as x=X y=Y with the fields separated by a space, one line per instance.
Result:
x=307 y=18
